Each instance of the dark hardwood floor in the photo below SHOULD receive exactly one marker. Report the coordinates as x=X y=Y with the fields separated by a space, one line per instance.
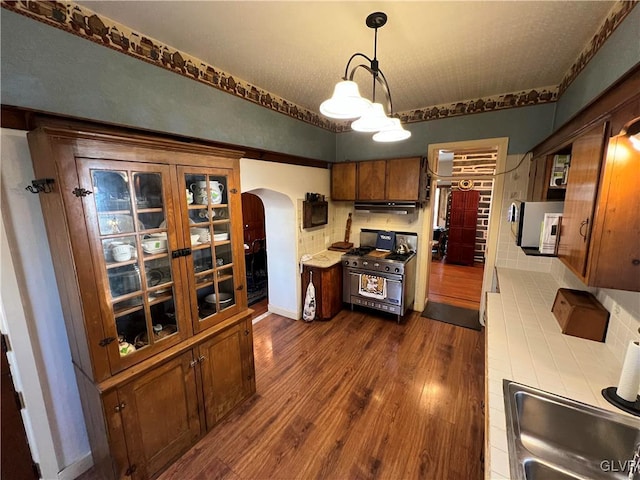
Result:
x=357 y=397
x=457 y=285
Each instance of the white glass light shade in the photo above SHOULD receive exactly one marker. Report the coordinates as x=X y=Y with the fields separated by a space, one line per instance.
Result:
x=373 y=120
x=345 y=103
x=394 y=133
x=635 y=141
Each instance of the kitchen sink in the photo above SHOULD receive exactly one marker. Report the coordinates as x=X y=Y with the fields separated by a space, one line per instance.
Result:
x=555 y=438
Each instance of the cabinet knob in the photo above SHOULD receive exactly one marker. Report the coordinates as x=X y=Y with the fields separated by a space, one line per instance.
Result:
x=201 y=358
x=635 y=261
x=131 y=470
x=120 y=406
x=246 y=332
x=240 y=287
x=193 y=363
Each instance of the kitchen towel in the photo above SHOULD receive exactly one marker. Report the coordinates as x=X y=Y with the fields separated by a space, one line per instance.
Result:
x=373 y=286
x=630 y=375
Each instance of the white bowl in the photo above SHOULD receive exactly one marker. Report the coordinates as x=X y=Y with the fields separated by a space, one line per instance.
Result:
x=219 y=237
x=154 y=245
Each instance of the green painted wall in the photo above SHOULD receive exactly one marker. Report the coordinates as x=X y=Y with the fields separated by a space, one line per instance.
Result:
x=51 y=70
x=619 y=54
x=47 y=69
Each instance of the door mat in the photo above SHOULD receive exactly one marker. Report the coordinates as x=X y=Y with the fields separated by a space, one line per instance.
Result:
x=462 y=317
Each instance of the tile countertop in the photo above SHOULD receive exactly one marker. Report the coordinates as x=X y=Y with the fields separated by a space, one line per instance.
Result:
x=525 y=344
x=324 y=259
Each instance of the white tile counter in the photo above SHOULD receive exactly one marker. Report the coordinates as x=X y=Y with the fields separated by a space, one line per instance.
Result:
x=324 y=259
x=525 y=344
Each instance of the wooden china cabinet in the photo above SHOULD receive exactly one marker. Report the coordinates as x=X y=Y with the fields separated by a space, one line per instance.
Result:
x=146 y=239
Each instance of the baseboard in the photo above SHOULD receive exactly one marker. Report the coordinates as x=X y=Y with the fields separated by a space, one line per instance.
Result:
x=285 y=313
x=77 y=468
x=260 y=317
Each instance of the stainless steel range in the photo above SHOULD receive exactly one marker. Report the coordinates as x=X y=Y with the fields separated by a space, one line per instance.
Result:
x=381 y=273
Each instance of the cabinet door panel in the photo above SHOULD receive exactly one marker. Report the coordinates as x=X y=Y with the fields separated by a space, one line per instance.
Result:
x=343 y=181
x=212 y=223
x=615 y=240
x=403 y=179
x=160 y=415
x=582 y=186
x=227 y=370
x=131 y=223
x=371 y=180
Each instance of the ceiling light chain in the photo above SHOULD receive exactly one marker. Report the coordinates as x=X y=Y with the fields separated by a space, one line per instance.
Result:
x=346 y=102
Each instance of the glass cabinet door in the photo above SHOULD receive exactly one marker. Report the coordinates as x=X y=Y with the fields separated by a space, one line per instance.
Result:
x=129 y=222
x=213 y=266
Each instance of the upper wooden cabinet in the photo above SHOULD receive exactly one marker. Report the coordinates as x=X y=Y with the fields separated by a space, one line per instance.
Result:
x=600 y=227
x=372 y=180
x=579 y=205
x=401 y=179
x=147 y=244
x=343 y=181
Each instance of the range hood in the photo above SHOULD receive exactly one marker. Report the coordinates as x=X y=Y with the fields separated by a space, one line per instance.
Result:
x=395 y=208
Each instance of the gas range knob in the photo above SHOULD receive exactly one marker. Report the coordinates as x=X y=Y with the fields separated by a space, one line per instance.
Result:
x=364 y=264
x=397 y=270
x=386 y=269
x=376 y=265
x=346 y=262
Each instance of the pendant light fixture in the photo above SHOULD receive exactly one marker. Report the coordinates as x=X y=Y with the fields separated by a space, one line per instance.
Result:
x=347 y=103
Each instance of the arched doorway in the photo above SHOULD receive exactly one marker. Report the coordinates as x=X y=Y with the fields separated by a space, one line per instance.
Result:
x=280 y=233
x=255 y=247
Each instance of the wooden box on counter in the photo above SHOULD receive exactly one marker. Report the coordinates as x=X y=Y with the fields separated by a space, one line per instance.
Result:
x=580 y=314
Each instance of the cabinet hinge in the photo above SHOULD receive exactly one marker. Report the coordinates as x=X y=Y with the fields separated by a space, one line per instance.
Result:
x=131 y=470
x=36 y=469
x=6 y=345
x=234 y=190
x=182 y=252
x=81 y=192
x=20 y=401
x=106 y=341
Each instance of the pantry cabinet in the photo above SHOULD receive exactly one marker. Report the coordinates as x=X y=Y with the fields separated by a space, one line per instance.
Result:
x=400 y=179
x=146 y=240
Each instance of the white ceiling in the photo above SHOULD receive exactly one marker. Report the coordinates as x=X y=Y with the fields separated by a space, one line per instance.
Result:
x=431 y=52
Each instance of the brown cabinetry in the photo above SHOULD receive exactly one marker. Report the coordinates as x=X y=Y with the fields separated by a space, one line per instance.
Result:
x=343 y=181
x=400 y=179
x=146 y=239
x=580 y=197
x=328 y=285
x=372 y=180
x=600 y=226
x=226 y=363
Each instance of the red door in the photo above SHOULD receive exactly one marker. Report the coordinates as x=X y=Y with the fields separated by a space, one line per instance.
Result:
x=463 y=220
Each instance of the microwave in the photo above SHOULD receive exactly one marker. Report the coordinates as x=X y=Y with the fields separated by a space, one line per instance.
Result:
x=527 y=219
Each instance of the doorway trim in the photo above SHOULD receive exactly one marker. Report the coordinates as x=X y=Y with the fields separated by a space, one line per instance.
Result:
x=502 y=145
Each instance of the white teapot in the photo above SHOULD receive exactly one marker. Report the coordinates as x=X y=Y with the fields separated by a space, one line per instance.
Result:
x=216 y=191
x=199 y=190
